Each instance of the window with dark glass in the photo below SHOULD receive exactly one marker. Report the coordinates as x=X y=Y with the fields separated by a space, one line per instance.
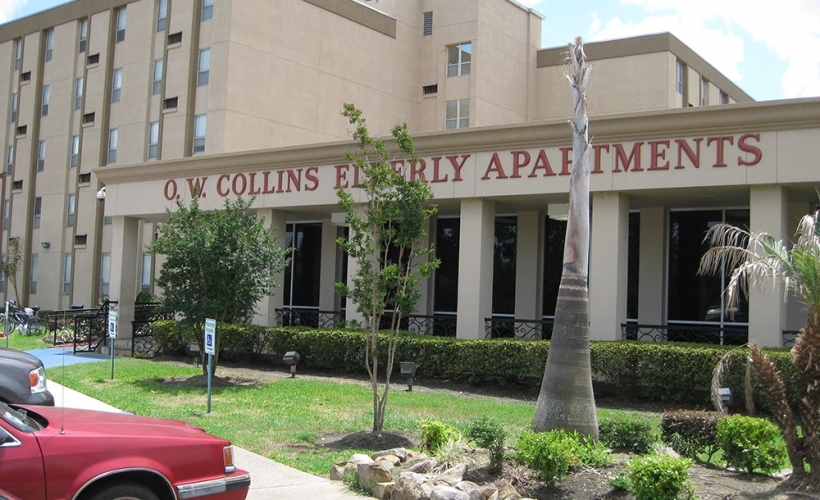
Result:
x=83 y=36
x=301 y=287
x=555 y=231
x=506 y=239
x=445 y=297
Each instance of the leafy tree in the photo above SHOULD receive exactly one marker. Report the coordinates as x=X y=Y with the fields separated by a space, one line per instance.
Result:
x=566 y=400
x=219 y=264
x=757 y=259
x=385 y=232
x=11 y=267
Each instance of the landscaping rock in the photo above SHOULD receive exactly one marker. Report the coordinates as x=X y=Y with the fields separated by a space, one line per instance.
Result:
x=337 y=471
x=507 y=491
x=412 y=486
x=452 y=476
x=423 y=466
x=383 y=491
x=484 y=493
x=442 y=492
x=400 y=453
x=371 y=473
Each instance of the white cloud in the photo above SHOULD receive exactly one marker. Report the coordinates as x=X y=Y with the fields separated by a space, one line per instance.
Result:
x=714 y=29
x=8 y=8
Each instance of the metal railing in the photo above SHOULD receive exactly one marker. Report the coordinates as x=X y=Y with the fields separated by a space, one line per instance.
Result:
x=498 y=328
x=91 y=328
x=437 y=325
x=143 y=344
x=306 y=316
x=789 y=336
x=681 y=332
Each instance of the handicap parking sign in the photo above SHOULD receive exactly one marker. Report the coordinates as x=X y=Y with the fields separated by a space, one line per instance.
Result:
x=210 y=336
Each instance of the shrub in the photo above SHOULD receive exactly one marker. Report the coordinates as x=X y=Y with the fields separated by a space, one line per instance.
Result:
x=631 y=433
x=750 y=443
x=487 y=433
x=550 y=454
x=691 y=432
x=435 y=434
x=658 y=477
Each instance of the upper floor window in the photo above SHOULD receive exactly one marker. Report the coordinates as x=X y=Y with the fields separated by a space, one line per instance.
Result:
x=207 y=9
x=153 y=140
x=79 y=84
x=704 y=92
x=83 y=36
x=105 y=275
x=6 y=214
x=18 y=53
x=9 y=161
x=38 y=210
x=49 y=44
x=458 y=59
x=457 y=114
x=200 y=124
x=145 y=276
x=69 y=221
x=427 y=24
x=116 y=85
x=724 y=97
x=121 y=21
x=32 y=289
x=75 y=151
x=41 y=156
x=203 y=74
x=67 y=274
x=46 y=99
x=156 y=86
x=13 y=107
x=113 y=138
x=162 y=15
x=680 y=72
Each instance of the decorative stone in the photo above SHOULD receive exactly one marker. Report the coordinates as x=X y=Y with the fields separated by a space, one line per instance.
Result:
x=423 y=467
x=393 y=460
x=383 y=491
x=411 y=486
x=452 y=476
x=507 y=491
x=400 y=453
x=442 y=492
x=466 y=486
x=337 y=471
x=372 y=473
x=484 y=493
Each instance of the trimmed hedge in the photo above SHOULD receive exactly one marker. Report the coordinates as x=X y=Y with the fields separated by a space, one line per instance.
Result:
x=657 y=371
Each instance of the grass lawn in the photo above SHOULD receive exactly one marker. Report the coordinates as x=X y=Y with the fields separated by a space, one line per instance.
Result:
x=23 y=342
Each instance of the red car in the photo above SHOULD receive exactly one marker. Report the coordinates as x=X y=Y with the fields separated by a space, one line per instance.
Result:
x=49 y=453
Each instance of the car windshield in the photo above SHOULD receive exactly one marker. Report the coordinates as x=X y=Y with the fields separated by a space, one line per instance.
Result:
x=19 y=418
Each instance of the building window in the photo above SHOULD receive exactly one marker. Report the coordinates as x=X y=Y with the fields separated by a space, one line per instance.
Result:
x=203 y=74
x=67 y=274
x=680 y=72
x=46 y=99
x=145 y=281
x=25 y=77
x=170 y=103
x=724 y=97
x=458 y=59
x=162 y=15
x=38 y=211
x=49 y=44
x=83 y=36
x=156 y=86
x=200 y=124
x=21 y=130
x=207 y=9
x=427 y=24
x=80 y=240
x=429 y=89
x=301 y=287
x=113 y=136
x=34 y=265
x=84 y=178
x=13 y=107
x=175 y=38
x=18 y=53
x=75 y=151
x=105 y=275
x=88 y=118
x=457 y=114
x=153 y=140
x=116 y=85
x=92 y=59
x=108 y=220
x=121 y=19
x=41 y=156
x=70 y=210
x=6 y=208
x=704 y=92
x=9 y=160
x=17 y=185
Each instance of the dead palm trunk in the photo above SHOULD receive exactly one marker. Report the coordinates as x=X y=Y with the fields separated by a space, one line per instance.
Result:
x=566 y=400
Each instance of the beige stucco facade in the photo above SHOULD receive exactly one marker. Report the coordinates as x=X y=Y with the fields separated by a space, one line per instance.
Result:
x=270 y=98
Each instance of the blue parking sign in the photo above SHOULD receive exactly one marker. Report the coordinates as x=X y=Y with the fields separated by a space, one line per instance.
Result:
x=210 y=336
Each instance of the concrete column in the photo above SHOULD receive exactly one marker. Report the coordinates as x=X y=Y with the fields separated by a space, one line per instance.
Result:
x=265 y=311
x=651 y=272
x=327 y=273
x=767 y=309
x=125 y=252
x=475 y=267
x=608 y=265
x=528 y=265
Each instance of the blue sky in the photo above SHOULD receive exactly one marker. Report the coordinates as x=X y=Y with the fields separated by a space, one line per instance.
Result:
x=771 y=49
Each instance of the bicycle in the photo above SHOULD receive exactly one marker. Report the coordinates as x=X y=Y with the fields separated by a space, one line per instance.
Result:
x=24 y=319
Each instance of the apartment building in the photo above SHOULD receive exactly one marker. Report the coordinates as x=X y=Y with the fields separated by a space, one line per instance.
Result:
x=149 y=98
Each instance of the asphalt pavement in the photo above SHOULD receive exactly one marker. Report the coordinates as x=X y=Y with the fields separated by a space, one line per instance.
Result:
x=269 y=479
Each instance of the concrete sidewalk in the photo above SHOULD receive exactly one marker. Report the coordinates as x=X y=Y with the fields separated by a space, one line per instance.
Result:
x=269 y=479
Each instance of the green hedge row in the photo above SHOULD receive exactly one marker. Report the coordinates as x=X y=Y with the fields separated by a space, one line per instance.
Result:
x=656 y=371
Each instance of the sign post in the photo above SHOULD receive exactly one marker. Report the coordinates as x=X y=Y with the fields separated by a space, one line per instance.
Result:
x=210 y=350
x=112 y=335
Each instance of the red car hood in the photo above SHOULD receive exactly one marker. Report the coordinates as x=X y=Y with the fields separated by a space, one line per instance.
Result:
x=72 y=420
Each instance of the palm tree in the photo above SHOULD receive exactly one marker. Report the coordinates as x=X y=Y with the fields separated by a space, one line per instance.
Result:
x=566 y=400
x=758 y=259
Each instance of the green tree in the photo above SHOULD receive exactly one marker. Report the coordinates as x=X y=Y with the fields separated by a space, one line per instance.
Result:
x=386 y=228
x=11 y=266
x=566 y=400
x=757 y=259
x=218 y=264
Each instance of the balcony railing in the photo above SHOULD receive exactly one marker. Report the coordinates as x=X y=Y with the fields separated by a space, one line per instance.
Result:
x=306 y=316
x=437 y=325
x=680 y=332
x=496 y=328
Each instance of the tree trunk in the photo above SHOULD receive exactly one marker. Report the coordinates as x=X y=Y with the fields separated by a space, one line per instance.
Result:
x=566 y=400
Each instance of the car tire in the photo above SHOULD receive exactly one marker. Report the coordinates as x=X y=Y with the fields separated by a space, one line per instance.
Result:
x=126 y=491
